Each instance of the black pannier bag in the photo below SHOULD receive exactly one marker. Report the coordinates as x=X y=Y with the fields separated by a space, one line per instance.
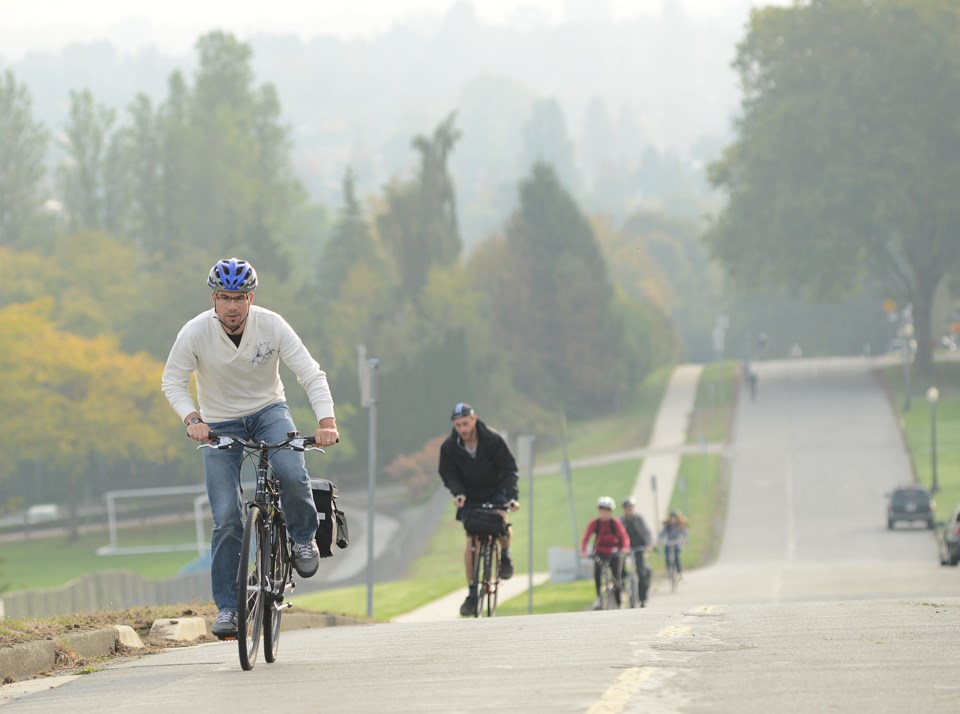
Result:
x=325 y=498
x=479 y=521
x=343 y=535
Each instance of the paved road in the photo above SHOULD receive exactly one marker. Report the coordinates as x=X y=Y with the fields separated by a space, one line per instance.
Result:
x=813 y=605
x=813 y=456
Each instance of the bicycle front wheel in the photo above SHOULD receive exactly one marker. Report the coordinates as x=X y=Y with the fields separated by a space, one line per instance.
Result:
x=491 y=576
x=606 y=588
x=479 y=548
x=250 y=595
x=278 y=568
x=672 y=571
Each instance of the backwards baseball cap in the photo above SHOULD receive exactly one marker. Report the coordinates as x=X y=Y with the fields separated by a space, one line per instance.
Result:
x=462 y=410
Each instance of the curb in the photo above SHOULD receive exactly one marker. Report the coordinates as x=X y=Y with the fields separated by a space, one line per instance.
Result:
x=38 y=659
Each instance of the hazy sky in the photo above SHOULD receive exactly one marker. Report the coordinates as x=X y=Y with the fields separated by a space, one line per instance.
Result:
x=174 y=25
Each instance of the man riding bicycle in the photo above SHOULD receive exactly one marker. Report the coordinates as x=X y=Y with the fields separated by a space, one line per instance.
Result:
x=610 y=543
x=640 y=543
x=477 y=467
x=235 y=350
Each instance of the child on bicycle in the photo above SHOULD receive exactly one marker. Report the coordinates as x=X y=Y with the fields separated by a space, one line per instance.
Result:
x=674 y=535
x=610 y=543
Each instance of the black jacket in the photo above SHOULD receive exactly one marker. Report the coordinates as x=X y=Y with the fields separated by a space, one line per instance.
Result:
x=493 y=469
x=637 y=530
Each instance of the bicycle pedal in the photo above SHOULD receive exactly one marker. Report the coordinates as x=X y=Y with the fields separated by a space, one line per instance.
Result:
x=227 y=638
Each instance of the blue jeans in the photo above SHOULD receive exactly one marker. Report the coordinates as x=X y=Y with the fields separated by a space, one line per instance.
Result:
x=221 y=471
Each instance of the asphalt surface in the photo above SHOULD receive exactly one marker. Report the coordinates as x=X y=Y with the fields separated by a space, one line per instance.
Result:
x=812 y=606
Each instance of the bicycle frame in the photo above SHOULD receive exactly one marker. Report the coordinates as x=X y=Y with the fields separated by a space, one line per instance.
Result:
x=265 y=574
x=485 y=553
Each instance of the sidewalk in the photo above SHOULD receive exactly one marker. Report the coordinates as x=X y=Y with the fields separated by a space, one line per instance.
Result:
x=667 y=445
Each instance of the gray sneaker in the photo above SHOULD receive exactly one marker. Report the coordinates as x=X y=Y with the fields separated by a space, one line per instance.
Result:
x=306 y=558
x=226 y=624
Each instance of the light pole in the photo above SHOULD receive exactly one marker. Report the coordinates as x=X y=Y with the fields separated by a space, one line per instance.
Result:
x=369 y=396
x=933 y=396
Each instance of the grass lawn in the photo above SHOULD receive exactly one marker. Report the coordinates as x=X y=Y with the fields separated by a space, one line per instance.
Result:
x=917 y=426
x=53 y=562
x=704 y=503
x=716 y=398
x=552 y=597
x=628 y=429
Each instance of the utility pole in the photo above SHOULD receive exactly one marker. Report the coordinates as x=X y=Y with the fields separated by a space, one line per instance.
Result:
x=369 y=388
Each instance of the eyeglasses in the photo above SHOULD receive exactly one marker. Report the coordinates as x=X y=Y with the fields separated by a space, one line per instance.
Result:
x=238 y=300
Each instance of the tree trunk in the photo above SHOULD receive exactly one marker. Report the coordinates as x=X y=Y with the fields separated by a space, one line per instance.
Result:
x=923 y=333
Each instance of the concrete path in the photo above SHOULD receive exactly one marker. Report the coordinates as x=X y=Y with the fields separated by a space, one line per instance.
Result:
x=448 y=607
x=668 y=444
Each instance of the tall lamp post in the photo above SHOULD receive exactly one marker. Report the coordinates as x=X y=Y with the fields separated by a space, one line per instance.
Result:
x=933 y=396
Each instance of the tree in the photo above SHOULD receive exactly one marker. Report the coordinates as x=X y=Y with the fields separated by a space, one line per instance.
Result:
x=420 y=223
x=108 y=400
x=546 y=140
x=553 y=302
x=848 y=152
x=23 y=147
x=81 y=176
x=351 y=242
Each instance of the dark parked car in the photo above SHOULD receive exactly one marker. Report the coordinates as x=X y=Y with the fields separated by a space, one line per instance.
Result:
x=949 y=540
x=910 y=503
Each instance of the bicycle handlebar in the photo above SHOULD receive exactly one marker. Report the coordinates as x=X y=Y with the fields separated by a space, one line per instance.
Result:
x=294 y=443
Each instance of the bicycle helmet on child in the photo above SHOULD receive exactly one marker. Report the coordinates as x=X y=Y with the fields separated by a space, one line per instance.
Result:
x=232 y=274
x=606 y=502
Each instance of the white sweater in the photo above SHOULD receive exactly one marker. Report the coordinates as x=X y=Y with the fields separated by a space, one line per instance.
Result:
x=234 y=382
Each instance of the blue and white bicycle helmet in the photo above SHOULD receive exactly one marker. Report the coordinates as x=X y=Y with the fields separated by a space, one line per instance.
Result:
x=232 y=274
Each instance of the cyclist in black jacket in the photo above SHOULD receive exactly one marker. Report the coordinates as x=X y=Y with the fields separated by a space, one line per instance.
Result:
x=477 y=467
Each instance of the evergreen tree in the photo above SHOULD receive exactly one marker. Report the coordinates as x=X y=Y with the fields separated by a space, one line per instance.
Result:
x=546 y=140
x=420 y=224
x=554 y=304
x=23 y=146
x=351 y=242
x=82 y=175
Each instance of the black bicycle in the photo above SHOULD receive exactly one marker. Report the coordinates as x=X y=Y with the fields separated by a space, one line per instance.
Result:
x=608 y=583
x=265 y=575
x=486 y=526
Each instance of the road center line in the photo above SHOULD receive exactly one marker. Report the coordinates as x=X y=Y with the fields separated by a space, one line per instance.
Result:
x=616 y=698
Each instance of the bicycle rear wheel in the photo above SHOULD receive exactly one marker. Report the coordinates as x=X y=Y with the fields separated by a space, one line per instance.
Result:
x=278 y=569
x=250 y=589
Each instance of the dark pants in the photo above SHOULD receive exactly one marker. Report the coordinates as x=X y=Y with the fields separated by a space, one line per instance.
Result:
x=616 y=567
x=642 y=582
